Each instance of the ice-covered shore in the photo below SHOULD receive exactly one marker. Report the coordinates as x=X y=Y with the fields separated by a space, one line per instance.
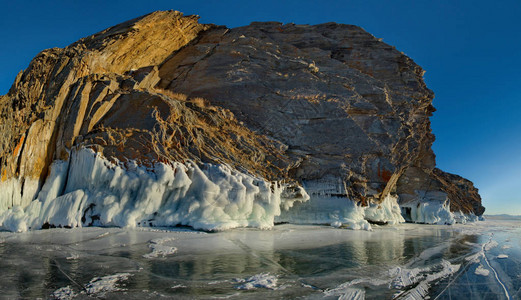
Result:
x=89 y=190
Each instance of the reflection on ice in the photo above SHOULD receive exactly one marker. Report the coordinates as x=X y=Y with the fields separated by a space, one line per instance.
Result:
x=287 y=262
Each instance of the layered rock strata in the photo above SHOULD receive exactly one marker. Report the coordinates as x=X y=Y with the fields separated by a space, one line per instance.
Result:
x=328 y=109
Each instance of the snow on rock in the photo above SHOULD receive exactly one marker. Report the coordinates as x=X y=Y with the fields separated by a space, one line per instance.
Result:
x=481 y=271
x=159 y=249
x=501 y=256
x=263 y=280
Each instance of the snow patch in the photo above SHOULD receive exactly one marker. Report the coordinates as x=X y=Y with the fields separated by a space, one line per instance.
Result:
x=490 y=245
x=480 y=270
x=64 y=293
x=502 y=256
x=476 y=257
x=72 y=257
x=102 y=285
x=263 y=280
x=159 y=249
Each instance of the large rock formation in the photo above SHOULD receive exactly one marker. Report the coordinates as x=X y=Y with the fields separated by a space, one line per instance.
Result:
x=327 y=107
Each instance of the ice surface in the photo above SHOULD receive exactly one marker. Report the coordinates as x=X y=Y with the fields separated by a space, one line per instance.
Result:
x=308 y=262
x=420 y=278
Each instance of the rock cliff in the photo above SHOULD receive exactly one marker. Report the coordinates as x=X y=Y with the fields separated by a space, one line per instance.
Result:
x=329 y=119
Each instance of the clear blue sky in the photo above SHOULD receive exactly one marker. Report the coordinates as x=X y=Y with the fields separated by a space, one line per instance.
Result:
x=470 y=50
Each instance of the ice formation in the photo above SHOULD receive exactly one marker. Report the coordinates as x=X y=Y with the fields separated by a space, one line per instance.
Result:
x=327 y=205
x=90 y=190
x=428 y=212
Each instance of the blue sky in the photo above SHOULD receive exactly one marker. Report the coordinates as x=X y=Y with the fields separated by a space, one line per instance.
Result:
x=470 y=50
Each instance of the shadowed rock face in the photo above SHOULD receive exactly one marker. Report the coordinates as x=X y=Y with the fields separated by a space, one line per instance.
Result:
x=297 y=103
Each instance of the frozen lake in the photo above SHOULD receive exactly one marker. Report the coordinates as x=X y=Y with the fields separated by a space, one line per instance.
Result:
x=477 y=261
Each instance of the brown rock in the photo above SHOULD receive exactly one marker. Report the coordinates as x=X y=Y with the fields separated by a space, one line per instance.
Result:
x=288 y=102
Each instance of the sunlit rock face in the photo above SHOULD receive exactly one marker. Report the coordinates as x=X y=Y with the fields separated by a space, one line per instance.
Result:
x=326 y=106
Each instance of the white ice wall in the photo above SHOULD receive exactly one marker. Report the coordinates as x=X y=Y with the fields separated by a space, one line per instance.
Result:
x=90 y=190
x=329 y=205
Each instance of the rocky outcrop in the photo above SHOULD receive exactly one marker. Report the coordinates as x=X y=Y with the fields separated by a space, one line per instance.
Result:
x=328 y=107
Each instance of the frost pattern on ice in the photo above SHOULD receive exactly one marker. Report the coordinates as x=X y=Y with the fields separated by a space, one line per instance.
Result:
x=98 y=192
x=263 y=280
x=347 y=293
x=404 y=278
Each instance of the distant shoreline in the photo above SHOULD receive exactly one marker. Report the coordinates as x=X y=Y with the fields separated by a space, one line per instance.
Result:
x=503 y=217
